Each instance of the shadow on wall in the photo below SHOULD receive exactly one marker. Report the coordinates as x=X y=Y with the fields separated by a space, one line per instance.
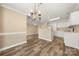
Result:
x=1 y=27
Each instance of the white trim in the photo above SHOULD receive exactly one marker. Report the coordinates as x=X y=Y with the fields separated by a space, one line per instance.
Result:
x=13 y=9
x=54 y=19
x=32 y=33
x=5 y=48
x=45 y=39
x=12 y=33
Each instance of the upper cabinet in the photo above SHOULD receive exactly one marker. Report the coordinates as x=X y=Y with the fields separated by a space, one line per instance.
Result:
x=74 y=18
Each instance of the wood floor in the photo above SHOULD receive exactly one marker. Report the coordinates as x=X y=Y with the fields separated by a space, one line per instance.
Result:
x=39 y=47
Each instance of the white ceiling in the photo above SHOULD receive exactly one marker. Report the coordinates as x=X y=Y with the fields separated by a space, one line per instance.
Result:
x=48 y=10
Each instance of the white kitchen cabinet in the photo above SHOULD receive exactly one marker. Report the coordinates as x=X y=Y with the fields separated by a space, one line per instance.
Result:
x=71 y=39
x=74 y=18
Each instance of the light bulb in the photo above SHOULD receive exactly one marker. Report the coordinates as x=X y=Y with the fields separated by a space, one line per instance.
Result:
x=31 y=11
x=39 y=12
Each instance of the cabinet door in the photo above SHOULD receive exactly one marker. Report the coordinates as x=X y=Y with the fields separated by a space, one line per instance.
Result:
x=74 y=18
x=71 y=40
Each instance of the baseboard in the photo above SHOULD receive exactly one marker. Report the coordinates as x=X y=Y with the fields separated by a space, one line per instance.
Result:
x=45 y=39
x=5 y=48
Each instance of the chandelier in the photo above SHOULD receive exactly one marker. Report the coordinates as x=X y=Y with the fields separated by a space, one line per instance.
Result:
x=35 y=15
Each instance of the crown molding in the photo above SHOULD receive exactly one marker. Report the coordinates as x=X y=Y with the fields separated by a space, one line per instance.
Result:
x=13 y=9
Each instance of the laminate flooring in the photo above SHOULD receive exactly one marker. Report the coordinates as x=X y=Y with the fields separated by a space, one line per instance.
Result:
x=39 y=47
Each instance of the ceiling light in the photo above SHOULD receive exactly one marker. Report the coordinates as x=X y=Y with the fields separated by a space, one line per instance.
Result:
x=35 y=14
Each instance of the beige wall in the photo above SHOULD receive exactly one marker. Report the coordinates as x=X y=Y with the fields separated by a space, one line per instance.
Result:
x=1 y=21
x=45 y=32
x=31 y=29
x=12 y=22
